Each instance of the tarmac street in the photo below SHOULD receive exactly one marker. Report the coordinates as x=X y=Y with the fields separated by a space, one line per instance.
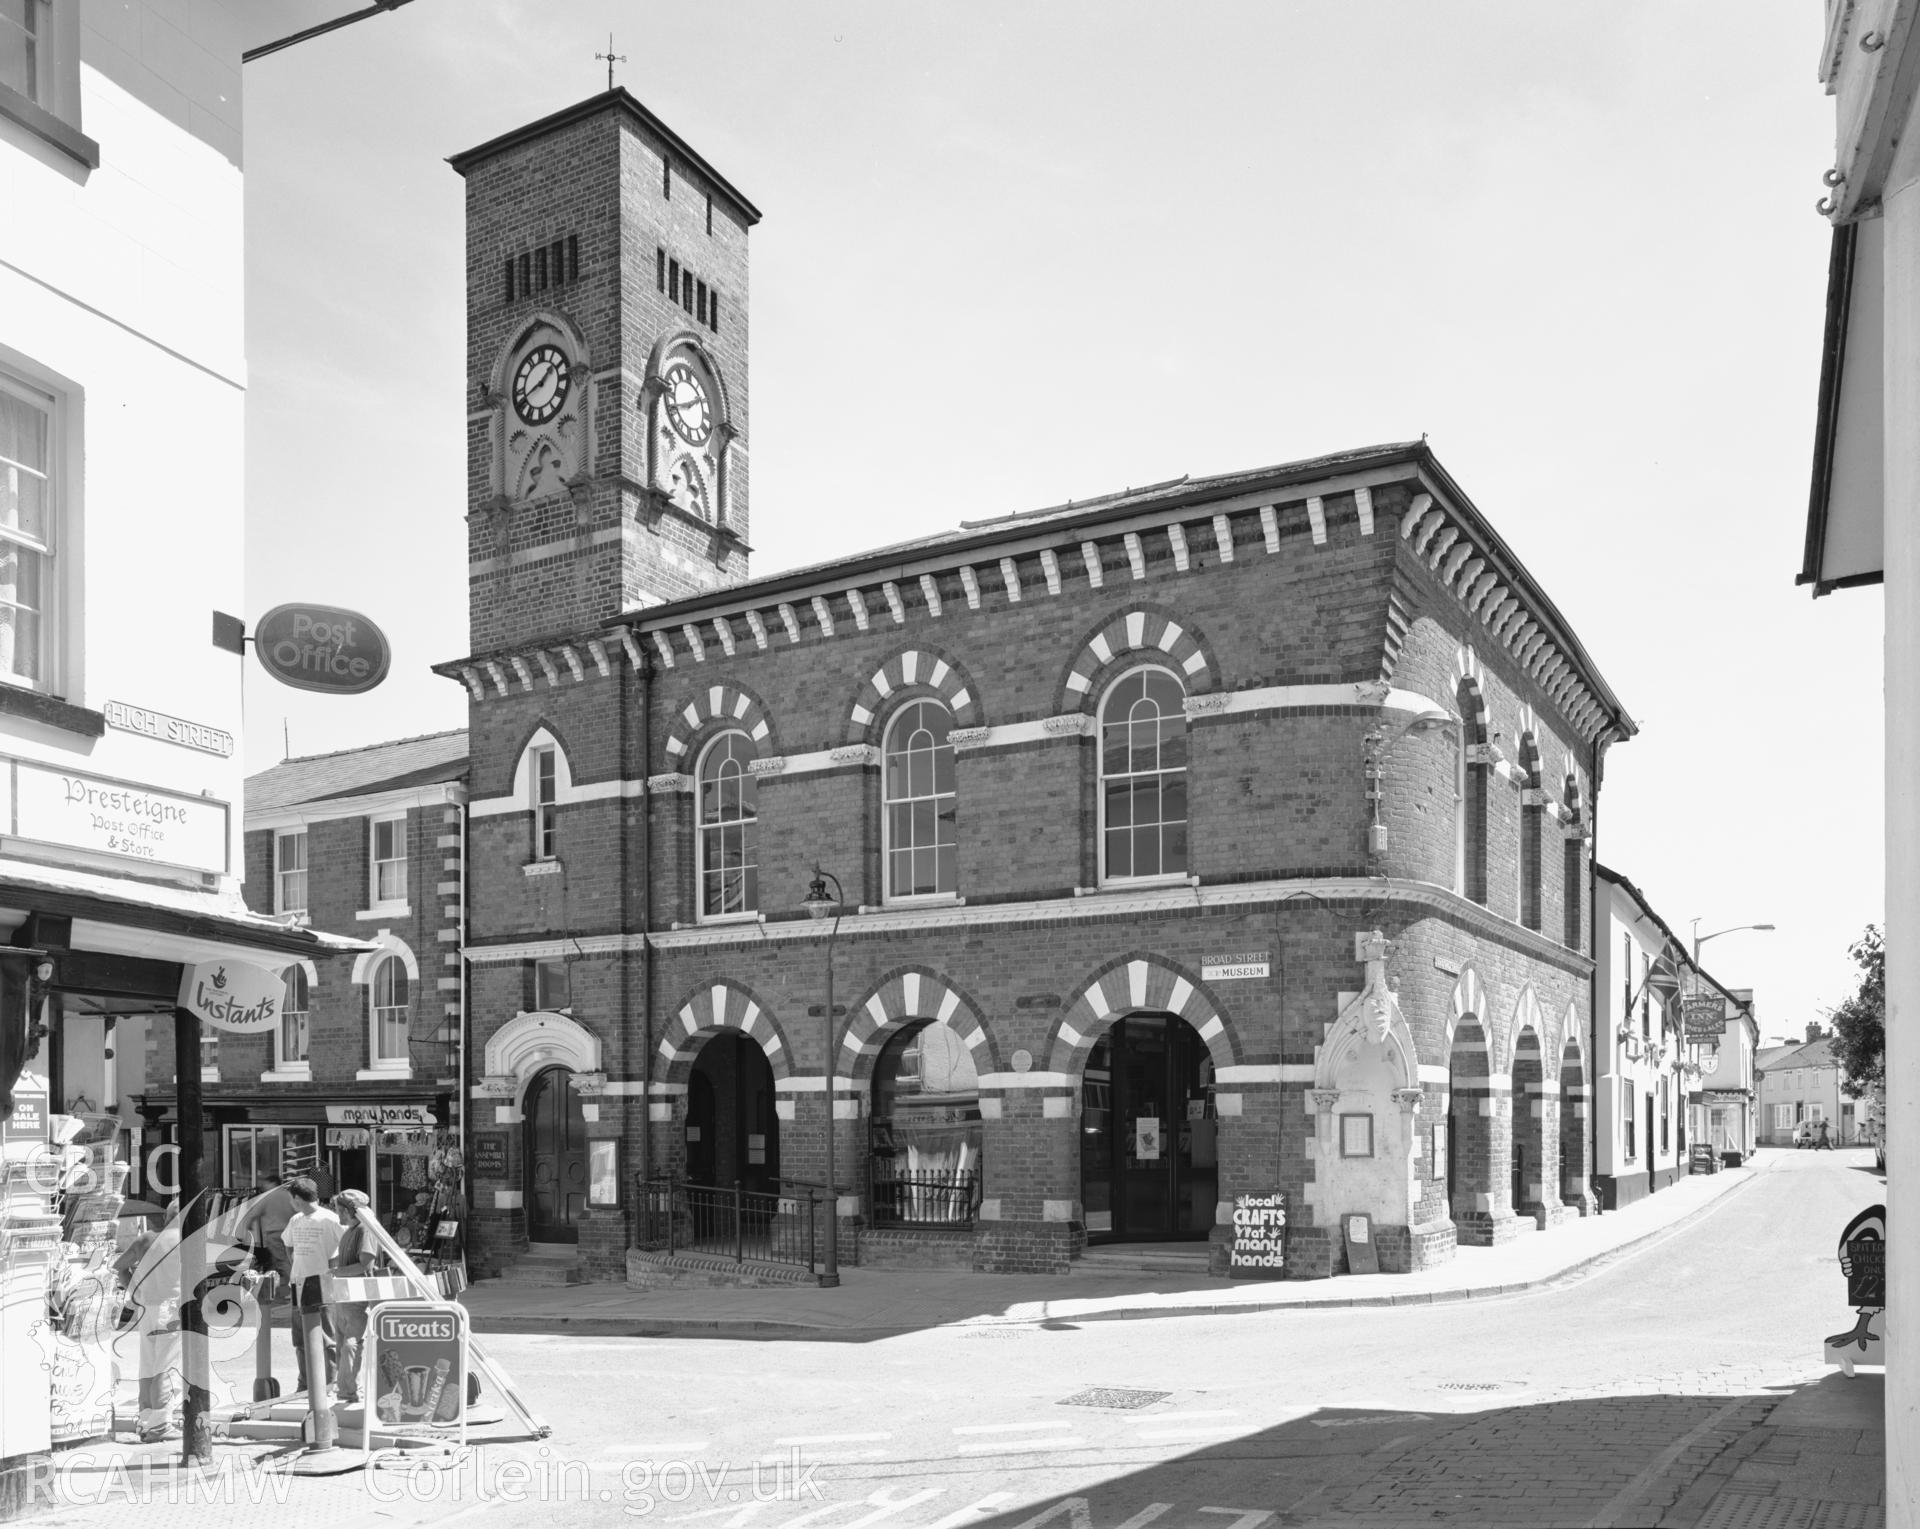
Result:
x=1644 y=1393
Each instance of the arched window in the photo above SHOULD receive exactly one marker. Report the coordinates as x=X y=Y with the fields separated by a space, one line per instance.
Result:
x=293 y=1018
x=1532 y=831
x=921 y=807
x=1143 y=776
x=390 y=1028
x=729 y=828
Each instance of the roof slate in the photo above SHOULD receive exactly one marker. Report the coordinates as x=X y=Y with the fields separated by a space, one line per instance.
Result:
x=389 y=766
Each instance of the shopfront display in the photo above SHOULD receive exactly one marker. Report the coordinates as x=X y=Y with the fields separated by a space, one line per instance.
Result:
x=924 y=1137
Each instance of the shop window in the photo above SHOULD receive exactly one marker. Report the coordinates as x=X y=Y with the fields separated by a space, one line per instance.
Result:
x=1666 y=1113
x=389 y=885
x=552 y=989
x=546 y=803
x=259 y=1157
x=29 y=510
x=1143 y=777
x=729 y=873
x=292 y=1040
x=919 y=823
x=290 y=871
x=925 y=1140
x=390 y=1014
x=1627 y=1133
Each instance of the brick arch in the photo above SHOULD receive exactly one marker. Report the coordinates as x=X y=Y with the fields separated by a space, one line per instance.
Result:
x=926 y=668
x=1140 y=631
x=1528 y=757
x=1467 y=1001
x=1527 y=1015
x=728 y=705
x=1573 y=791
x=723 y=1005
x=1138 y=981
x=910 y=993
x=1573 y=1053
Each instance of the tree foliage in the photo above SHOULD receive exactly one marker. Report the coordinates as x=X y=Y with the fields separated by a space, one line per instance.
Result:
x=1860 y=1023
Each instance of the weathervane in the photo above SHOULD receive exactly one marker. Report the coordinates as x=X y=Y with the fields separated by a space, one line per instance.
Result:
x=612 y=58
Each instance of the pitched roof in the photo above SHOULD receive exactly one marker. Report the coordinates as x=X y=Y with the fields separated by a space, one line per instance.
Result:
x=391 y=766
x=1798 y=1054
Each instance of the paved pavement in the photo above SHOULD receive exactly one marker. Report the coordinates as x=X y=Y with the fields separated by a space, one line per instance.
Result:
x=1678 y=1384
x=875 y=1302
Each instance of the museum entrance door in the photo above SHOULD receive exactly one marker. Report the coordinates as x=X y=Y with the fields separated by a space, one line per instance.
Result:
x=1148 y=1158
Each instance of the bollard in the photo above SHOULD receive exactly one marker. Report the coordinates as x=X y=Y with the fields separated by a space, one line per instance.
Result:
x=322 y=1430
x=265 y=1387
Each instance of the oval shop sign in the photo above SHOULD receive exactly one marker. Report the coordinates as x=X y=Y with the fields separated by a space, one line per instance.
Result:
x=321 y=647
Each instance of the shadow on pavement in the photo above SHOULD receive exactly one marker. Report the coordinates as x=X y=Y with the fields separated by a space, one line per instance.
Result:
x=1681 y=1462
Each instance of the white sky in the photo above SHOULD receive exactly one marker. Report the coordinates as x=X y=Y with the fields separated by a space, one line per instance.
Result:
x=1020 y=252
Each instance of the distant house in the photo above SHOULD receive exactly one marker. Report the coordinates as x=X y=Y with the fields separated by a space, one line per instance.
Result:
x=1800 y=1083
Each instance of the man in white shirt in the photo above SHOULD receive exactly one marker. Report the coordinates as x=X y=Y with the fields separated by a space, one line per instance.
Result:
x=312 y=1236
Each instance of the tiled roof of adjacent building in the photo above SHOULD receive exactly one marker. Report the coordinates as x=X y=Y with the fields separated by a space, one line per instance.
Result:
x=390 y=766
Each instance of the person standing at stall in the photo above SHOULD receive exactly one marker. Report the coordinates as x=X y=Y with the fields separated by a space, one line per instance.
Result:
x=312 y=1238
x=356 y=1258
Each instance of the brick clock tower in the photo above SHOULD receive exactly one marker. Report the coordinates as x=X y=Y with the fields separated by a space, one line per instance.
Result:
x=606 y=397
x=606 y=372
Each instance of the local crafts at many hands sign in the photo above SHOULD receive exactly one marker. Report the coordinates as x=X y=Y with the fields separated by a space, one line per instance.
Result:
x=1863 y=1259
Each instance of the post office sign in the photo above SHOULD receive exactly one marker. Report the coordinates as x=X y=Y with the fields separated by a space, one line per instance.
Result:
x=323 y=648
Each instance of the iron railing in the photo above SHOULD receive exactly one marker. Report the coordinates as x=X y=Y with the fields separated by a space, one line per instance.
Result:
x=922 y=1199
x=746 y=1225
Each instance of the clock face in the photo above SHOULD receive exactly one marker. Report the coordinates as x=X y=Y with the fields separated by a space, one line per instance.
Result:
x=688 y=409
x=541 y=383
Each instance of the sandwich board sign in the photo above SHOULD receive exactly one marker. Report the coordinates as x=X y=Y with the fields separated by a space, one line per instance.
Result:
x=417 y=1359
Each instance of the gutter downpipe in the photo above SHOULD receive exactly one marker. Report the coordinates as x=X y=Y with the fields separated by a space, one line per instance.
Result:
x=645 y=1154
x=463 y=1101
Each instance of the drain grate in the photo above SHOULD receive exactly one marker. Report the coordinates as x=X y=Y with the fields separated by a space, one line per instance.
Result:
x=1117 y=1398
x=1473 y=1385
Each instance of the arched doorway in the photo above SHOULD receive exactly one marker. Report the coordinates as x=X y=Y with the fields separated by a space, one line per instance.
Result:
x=1575 y=1168
x=555 y=1157
x=1471 y=1142
x=1149 y=1161
x=733 y=1130
x=1533 y=1175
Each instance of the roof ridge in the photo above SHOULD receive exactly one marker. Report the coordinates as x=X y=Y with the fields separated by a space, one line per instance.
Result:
x=364 y=748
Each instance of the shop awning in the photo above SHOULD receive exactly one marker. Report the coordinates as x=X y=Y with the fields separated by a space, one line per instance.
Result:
x=158 y=922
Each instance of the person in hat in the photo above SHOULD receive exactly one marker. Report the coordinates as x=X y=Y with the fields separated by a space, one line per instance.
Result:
x=357 y=1257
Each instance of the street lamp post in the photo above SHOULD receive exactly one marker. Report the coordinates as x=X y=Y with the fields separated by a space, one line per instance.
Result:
x=819 y=904
x=1700 y=939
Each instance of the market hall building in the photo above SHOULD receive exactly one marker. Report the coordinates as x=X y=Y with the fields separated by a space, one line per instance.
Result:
x=1230 y=837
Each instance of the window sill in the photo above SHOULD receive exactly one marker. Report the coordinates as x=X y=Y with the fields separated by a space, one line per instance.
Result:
x=755 y=917
x=927 y=900
x=50 y=711
x=400 y=1074
x=209 y=1074
x=541 y=868
x=297 y=1072
x=48 y=128
x=1136 y=884
x=385 y=910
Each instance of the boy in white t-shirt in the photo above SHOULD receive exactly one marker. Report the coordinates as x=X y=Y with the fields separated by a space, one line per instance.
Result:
x=312 y=1236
